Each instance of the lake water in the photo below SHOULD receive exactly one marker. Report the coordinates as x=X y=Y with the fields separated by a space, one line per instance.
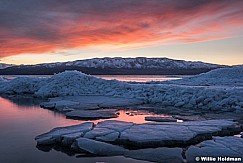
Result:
x=127 y=78
x=139 y=78
x=21 y=120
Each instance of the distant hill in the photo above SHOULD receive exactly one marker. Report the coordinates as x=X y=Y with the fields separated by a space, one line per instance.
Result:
x=115 y=66
x=3 y=65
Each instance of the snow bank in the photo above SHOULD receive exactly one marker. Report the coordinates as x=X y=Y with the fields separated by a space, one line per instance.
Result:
x=220 y=89
x=72 y=83
x=2 y=79
x=223 y=93
x=2 y=82
x=69 y=83
x=206 y=98
x=20 y=85
x=219 y=77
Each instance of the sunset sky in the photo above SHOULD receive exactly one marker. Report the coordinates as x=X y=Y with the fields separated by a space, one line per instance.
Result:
x=38 y=31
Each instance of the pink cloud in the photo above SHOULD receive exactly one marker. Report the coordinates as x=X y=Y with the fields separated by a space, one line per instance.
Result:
x=55 y=25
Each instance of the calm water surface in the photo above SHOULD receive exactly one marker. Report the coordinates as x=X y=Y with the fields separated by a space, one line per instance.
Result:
x=139 y=78
x=127 y=78
x=21 y=120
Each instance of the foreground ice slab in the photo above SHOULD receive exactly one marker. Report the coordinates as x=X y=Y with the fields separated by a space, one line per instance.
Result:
x=61 y=134
x=92 y=114
x=141 y=135
x=160 y=119
x=171 y=133
x=163 y=155
x=218 y=147
x=97 y=147
x=70 y=103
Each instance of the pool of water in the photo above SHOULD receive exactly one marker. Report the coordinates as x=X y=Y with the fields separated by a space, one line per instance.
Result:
x=128 y=115
x=21 y=120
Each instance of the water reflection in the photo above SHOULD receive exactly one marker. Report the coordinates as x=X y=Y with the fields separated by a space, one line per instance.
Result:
x=138 y=78
x=26 y=100
x=127 y=115
x=126 y=78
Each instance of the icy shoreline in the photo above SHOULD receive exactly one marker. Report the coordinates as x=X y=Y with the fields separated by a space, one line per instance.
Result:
x=111 y=138
x=219 y=89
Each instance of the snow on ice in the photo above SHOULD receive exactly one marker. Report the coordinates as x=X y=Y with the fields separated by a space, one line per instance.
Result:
x=218 y=77
x=219 y=89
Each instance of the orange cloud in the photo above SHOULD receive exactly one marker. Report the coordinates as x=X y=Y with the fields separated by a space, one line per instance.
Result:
x=39 y=27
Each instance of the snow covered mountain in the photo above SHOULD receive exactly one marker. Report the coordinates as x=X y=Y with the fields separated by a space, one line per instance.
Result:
x=140 y=65
x=135 y=63
x=3 y=65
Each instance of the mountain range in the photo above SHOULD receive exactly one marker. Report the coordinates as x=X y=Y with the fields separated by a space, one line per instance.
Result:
x=114 y=66
x=3 y=65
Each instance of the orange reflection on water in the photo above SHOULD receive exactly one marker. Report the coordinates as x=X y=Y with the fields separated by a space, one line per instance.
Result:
x=128 y=116
x=138 y=78
x=133 y=116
